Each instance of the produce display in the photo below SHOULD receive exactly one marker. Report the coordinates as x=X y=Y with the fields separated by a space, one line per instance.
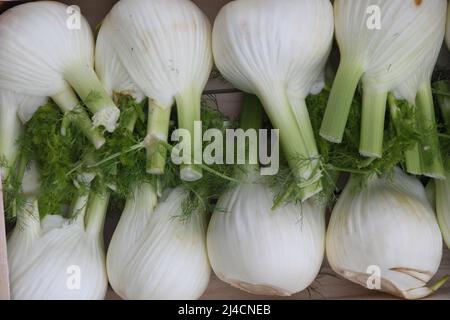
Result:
x=116 y=123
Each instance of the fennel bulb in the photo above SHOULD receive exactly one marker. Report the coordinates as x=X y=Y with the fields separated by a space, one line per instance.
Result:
x=58 y=258
x=265 y=251
x=388 y=225
x=277 y=50
x=15 y=109
x=42 y=54
x=112 y=73
x=384 y=44
x=442 y=191
x=165 y=47
x=155 y=255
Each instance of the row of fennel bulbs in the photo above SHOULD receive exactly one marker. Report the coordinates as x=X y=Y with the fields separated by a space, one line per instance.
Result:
x=163 y=50
x=383 y=220
x=76 y=157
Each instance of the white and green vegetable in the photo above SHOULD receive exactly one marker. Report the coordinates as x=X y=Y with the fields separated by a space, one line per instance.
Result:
x=265 y=251
x=165 y=46
x=15 y=109
x=277 y=49
x=385 y=236
x=111 y=71
x=385 y=45
x=58 y=258
x=154 y=253
x=267 y=234
x=46 y=50
x=259 y=249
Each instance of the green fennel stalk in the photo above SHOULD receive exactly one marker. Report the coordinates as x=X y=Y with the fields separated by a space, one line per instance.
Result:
x=431 y=159
x=340 y=101
x=251 y=118
x=10 y=130
x=86 y=84
x=413 y=155
x=75 y=113
x=97 y=206
x=157 y=128
x=297 y=142
x=189 y=111
x=372 y=124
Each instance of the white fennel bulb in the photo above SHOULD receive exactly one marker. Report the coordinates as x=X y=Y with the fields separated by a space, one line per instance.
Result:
x=59 y=258
x=165 y=46
x=154 y=254
x=383 y=43
x=388 y=229
x=277 y=50
x=112 y=73
x=45 y=49
x=442 y=192
x=15 y=109
x=265 y=251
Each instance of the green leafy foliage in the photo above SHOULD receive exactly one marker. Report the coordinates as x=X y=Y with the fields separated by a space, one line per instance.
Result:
x=12 y=189
x=121 y=163
x=56 y=156
x=441 y=90
x=399 y=136
x=126 y=170
x=67 y=161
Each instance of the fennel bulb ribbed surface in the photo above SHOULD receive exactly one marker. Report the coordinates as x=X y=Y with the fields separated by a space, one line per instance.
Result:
x=165 y=46
x=265 y=251
x=155 y=255
x=277 y=49
x=384 y=43
x=390 y=225
x=442 y=190
x=41 y=52
x=112 y=73
x=57 y=259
